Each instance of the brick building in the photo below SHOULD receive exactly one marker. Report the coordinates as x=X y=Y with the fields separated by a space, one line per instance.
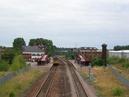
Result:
x=85 y=55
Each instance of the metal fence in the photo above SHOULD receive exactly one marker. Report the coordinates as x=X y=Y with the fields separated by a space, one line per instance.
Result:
x=119 y=76
x=11 y=75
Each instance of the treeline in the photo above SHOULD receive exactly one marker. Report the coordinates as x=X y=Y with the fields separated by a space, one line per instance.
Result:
x=118 y=47
x=11 y=58
x=67 y=52
x=48 y=44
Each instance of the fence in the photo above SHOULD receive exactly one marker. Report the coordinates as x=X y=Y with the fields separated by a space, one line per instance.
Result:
x=119 y=76
x=11 y=75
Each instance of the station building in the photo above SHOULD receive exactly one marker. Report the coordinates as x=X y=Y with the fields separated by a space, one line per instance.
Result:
x=33 y=53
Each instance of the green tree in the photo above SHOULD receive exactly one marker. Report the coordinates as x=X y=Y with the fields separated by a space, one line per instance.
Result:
x=48 y=44
x=18 y=43
x=4 y=66
x=97 y=61
x=118 y=47
x=8 y=55
x=18 y=63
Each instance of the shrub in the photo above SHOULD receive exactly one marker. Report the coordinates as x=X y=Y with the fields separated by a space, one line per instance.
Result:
x=117 y=91
x=12 y=94
x=122 y=60
x=8 y=55
x=126 y=65
x=113 y=60
x=97 y=62
x=18 y=63
x=4 y=66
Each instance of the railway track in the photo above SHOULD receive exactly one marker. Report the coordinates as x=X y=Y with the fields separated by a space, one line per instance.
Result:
x=59 y=80
x=46 y=86
x=56 y=84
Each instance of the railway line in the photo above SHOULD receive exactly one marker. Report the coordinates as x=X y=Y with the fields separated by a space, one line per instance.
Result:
x=80 y=91
x=57 y=83
x=43 y=92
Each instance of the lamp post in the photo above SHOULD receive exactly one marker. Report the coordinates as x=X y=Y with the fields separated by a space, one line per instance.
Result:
x=104 y=54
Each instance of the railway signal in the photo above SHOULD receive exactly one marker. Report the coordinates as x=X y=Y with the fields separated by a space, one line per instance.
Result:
x=104 y=54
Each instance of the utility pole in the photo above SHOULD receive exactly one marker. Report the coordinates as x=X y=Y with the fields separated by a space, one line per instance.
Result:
x=104 y=54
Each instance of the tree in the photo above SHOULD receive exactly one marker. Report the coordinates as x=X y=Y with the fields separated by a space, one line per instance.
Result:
x=48 y=44
x=97 y=62
x=4 y=66
x=18 y=63
x=118 y=47
x=8 y=55
x=18 y=43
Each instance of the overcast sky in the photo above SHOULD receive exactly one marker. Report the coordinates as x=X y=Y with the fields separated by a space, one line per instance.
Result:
x=69 y=23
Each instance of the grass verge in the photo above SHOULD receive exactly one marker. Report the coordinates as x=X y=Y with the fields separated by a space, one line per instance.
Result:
x=16 y=86
x=105 y=83
x=2 y=73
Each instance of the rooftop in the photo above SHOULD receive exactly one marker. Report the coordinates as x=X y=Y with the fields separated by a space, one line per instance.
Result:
x=32 y=49
x=125 y=51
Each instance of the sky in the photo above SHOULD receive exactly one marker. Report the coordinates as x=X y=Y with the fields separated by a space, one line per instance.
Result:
x=68 y=23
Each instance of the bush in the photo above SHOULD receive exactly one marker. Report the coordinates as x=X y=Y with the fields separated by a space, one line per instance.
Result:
x=113 y=60
x=12 y=94
x=18 y=63
x=126 y=65
x=122 y=60
x=117 y=60
x=97 y=62
x=117 y=91
x=4 y=66
x=8 y=55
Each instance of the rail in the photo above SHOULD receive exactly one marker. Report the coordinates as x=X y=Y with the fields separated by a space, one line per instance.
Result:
x=46 y=86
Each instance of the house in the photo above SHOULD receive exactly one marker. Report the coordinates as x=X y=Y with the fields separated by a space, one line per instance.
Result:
x=33 y=53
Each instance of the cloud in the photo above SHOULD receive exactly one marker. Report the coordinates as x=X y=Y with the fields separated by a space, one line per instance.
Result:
x=78 y=21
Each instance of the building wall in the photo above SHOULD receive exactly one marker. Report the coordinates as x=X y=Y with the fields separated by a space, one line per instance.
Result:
x=32 y=56
x=89 y=54
x=120 y=54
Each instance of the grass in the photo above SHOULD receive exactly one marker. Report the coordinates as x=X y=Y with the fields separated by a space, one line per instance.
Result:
x=121 y=64
x=106 y=85
x=122 y=70
x=116 y=60
x=117 y=91
x=19 y=84
x=2 y=73
x=106 y=82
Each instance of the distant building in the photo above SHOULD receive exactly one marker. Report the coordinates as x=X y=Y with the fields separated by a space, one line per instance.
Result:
x=33 y=53
x=86 y=54
x=120 y=53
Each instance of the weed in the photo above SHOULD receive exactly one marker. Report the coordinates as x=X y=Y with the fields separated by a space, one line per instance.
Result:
x=12 y=94
x=117 y=91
